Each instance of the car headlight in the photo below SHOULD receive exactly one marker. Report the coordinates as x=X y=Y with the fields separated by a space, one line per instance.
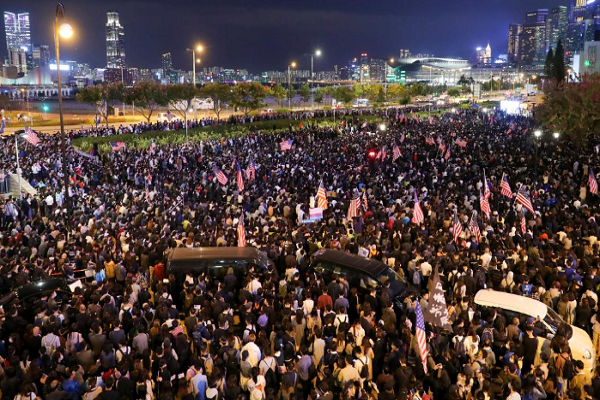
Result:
x=587 y=354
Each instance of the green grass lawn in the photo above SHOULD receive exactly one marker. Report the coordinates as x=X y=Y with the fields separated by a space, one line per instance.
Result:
x=163 y=138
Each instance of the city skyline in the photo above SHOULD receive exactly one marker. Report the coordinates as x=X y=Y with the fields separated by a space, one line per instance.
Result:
x=242 y=36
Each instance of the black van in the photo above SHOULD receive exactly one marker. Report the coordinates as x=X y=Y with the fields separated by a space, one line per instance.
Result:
x=361 y=273
x=216 y=261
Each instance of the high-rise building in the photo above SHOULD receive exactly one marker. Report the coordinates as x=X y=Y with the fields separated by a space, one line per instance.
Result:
x=17 y=57
x=115 y=43
x=514 y=31
x=41 y=56
x=16 y=27
x=167 y=67
x=578 y=10
x=532 y=40
x=556 y=26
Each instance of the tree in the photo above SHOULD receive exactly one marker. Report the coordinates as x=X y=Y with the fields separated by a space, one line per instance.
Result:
x=181 y=98
x=399 y=93
x=560 y=71
x=358 y=90
x=463 y=81
x=278 y=92
x=549 y=66
x=147 y=97
x=572 y=109
x=319 y=95
x=290 y=93
x=248 y=96
x=304 y=92
x=101 y=97
x=220 y=94
x=453 y=92
x=345 y=94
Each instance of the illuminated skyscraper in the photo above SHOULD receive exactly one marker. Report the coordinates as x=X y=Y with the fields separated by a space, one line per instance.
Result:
x=115 y=44
x=18 y=34
x=514 y=31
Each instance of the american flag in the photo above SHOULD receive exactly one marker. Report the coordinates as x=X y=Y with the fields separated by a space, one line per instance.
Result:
x=30 y=136
x=381 y=154
x=457 y=228
x=221 y=176
x=442 y=147
x=593 y=183
x=251 y=171
x=523 y=222
x=353 y=209
x=286 y=145
x=396 y=153
x=240 y=180
x=461 y=142
x=169 y=115
x=525 y=201
x=474 y=226
x=152 y=146
x=418 y=216
x=486 y=188
x=321 y=197
x=2 y=126
x=365 y=201
x=431 y=120
x=241 y=232
x=484 y=205
x=117 y=146
x=402 y=138
x=421 y=336
x=505 y=187
x=430 y=140
x=447 y=155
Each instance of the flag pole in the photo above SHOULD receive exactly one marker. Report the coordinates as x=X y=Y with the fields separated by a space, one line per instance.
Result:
x=18 y=165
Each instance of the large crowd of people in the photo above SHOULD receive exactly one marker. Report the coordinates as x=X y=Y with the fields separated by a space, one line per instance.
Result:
x=128 y=331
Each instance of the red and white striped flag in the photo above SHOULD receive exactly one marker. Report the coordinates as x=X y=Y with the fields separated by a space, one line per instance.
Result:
x=474 y=227
x=353 y=208
x=421 y=335
x=461 y=142
x=484 y=205
x=321 y=197
x=365 y=201
x=486 y=187
x=447 y=155
x=30 y=136
x=457 y=228
x=396 y=153
x=418 y=216
x=402 y=137
x=286 y=145
x=523 y=222
x=525 y=201
x=240 y=180
x=251 y=171
x=430 y=140
x=505 y=187
x=593 y=183
x=221 y=177
x=241 y=232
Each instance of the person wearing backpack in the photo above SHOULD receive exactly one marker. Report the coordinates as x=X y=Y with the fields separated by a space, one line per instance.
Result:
x=565 y=370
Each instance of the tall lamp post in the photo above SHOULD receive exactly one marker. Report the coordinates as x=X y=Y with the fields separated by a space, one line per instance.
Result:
x=199 y=48
x=537 y=134
x=317 y=53
x=292 y=65
x=66 y=31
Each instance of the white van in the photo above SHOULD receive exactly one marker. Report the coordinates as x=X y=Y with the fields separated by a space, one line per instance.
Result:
x=579 y=341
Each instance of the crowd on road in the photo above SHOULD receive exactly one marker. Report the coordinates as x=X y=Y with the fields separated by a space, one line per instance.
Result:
x=129 y=332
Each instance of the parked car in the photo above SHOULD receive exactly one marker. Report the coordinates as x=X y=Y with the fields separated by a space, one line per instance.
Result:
x=547 y=323
x=361 y=273
x=29 y=294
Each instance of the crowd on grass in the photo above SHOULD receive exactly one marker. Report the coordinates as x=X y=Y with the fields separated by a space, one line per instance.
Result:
x=130 y=331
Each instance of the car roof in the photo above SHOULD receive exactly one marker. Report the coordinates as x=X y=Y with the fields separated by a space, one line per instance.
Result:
x=351 y=261
x=511 y=302
x=184 y=254
x=41 y=286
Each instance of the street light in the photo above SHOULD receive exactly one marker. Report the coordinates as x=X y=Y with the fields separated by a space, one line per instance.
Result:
x=317 y=53
x=292 y=65
x=66 y=31
x=382 y=127
x=187 y=110
x=199 y=48
x=537 y=133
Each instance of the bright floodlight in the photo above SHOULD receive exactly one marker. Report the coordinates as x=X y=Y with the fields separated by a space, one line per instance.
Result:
x=537 y=133
x=453 y=110
x=556 y=135
x=293 y=64
x=318 y=53
x=485 y=109
x=382 y=127
x=391 y=60
x=199 y=48
x=65 y=30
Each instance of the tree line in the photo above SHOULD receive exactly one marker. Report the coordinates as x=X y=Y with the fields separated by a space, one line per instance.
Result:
x=148 y=97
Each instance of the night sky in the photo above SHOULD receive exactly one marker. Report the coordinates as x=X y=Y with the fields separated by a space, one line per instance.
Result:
x=267 y=34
